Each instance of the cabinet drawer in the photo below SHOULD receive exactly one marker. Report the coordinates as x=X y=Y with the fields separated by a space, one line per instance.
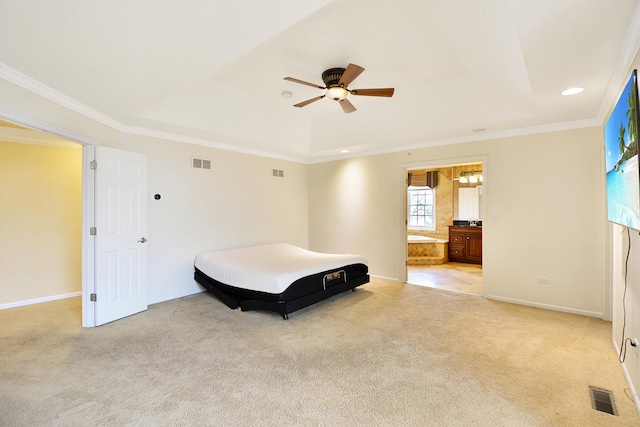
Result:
x=456 y=239
x=456 y=251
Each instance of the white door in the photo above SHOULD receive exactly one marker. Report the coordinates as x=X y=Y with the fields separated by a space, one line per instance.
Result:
x=120 y=236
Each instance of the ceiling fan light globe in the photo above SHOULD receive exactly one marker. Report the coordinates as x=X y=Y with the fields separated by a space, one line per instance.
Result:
x=336 y=93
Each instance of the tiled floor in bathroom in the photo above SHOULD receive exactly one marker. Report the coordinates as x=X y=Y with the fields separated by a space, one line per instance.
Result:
x=453 y=276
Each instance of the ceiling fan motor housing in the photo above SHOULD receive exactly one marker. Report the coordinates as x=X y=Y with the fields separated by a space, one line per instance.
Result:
x=332 y=76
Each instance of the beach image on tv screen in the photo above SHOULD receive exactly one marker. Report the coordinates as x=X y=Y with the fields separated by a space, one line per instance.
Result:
x=621 y=153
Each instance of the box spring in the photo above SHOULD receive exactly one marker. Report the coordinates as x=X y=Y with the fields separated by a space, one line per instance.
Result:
x=301 y=293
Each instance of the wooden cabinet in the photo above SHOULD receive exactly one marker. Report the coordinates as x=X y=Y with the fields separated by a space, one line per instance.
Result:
x=465 y=244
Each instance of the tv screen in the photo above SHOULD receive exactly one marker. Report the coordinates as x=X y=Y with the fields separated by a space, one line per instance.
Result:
x=621 y=154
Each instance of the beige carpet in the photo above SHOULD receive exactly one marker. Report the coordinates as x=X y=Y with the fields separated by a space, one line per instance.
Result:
x=389 y=355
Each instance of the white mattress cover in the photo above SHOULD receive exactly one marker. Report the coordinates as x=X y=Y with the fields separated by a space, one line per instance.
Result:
x=269 y=268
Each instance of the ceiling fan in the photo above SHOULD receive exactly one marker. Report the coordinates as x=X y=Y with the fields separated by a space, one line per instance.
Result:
x=336 y=81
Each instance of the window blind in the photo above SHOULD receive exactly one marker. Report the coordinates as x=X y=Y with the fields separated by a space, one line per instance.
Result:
x=423 y=179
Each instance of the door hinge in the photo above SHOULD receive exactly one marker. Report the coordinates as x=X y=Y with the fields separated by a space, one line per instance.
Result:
x=93 y=164
x=93 y=231
x=93 y=297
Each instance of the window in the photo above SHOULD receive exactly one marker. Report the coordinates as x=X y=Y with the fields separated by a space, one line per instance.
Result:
x=422 y=207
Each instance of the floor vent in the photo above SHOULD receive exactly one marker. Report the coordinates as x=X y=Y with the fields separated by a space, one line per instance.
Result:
x=602 y=400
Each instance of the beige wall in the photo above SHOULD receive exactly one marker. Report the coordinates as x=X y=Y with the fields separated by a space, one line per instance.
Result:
x=625 y=279
x=236 y=203
x=551 y=224
x=40 y=221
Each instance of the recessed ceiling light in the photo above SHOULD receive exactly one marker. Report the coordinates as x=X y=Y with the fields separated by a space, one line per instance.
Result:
x=572 y=91
x=344 y=151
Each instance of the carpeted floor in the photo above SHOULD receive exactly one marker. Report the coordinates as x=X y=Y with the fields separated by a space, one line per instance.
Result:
x=390 y=355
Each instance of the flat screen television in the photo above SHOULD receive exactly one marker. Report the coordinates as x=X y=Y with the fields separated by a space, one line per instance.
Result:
x=621 y=157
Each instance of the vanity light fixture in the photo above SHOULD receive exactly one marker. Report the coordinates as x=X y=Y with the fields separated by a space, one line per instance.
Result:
x=472 y=177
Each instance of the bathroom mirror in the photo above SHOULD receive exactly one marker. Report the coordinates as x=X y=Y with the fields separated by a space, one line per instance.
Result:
x=469 y=202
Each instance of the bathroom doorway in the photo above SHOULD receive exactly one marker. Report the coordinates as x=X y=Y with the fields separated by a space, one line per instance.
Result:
x=456 y=198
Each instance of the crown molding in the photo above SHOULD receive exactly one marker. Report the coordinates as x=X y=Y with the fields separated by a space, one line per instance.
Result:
x=34 y=86
x=45 y=127
x=628 y=52
x=485 y=136
x=52 y=95
x=28 y=136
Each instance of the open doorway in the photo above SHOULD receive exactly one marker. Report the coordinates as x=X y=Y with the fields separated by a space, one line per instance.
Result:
x=444 y=213
x=41 y=187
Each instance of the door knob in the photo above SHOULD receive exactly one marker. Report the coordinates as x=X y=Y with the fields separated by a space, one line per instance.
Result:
x=142 y=240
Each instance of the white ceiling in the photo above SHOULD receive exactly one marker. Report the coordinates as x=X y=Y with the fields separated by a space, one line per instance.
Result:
x=211 y=71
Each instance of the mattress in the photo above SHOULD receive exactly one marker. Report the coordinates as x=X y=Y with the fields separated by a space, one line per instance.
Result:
x=269 y=268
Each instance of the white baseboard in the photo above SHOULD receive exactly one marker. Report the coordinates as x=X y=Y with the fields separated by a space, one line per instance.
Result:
x=386 y=278
x=39 y=300
x=546 y=306
x=627 y=378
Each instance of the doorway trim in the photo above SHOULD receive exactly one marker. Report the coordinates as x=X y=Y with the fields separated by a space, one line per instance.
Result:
x=439 y=163
x=88 y=241
x=88 y=146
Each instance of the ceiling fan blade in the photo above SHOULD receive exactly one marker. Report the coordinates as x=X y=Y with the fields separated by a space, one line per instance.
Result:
x=308 y=101
x=352 y=71
x=347 y=106
x=373 y=92
x=291 y=79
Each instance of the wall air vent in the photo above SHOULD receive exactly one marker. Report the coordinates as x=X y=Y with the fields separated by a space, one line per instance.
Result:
x=278 y=173
x=200 y=163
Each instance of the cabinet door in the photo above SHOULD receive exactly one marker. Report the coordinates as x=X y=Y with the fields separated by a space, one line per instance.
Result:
x=474 y=248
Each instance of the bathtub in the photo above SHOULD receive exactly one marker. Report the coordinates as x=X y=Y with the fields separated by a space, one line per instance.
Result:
x=420 y=239
x=423 y=250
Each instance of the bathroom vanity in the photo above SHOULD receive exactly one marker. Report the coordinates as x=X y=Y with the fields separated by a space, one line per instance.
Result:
x=465 y=244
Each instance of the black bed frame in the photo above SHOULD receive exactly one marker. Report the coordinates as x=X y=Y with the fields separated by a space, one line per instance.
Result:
x=300 y=294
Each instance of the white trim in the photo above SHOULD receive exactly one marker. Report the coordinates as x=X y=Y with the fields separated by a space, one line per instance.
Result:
x=88 y=241
x=133 y=130
x=28 y=136
x=39 y=300
x=386 y=278
x=620 y=74
x=32 y=85
x=432 y=164
x=546 y=306
x=627 y=377
x=40 y=125
x=532 y=130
